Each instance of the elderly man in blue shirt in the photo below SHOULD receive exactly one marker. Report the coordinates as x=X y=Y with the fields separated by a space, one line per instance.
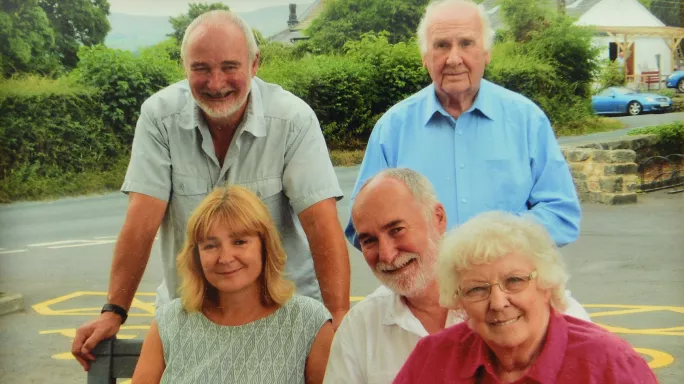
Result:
x=482 y=146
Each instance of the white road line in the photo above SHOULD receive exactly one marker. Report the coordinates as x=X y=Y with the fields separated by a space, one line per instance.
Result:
x=12 y=251
x=84 y=244
x=59 y=243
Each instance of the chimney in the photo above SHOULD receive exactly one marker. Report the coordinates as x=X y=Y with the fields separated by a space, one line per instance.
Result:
x=292 y=20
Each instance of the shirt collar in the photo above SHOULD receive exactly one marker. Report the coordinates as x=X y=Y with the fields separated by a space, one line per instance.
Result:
x=252 y=121
x=398 y=313
x=544 y=369
x=482 y=104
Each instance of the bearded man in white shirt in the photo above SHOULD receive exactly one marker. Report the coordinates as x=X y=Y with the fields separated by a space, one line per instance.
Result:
x=400 y=224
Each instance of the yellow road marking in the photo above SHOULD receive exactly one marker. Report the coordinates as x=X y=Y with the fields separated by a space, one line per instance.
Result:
x=659 y=359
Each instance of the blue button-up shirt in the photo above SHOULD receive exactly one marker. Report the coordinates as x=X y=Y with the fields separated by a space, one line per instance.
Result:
x=501 y=154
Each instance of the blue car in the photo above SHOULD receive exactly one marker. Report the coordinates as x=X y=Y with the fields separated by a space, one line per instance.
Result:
x=676 y=80
x=621 y=100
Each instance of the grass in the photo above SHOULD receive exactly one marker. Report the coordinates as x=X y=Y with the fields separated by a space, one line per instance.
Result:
x=591 y=124
x=343 y=158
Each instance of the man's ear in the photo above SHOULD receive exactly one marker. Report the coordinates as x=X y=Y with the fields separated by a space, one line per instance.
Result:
x=488 y=57
x=440 y=217
x=255 y=63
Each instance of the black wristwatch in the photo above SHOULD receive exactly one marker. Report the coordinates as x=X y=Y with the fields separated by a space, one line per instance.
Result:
x=116 y=309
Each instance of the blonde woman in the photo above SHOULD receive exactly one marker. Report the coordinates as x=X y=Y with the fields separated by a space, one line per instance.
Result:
x=505 y=275
x=237 y=320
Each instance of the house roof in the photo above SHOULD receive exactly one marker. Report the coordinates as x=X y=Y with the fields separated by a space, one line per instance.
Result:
x=291 y=34
x=573 y=8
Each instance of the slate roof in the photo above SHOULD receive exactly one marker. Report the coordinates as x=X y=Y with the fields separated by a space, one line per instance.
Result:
x=292 y=34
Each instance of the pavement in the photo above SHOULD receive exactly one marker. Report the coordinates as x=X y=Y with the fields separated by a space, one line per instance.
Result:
x=627 y=269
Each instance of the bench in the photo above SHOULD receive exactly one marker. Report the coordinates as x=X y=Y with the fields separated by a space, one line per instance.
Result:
x=650 y=77
x=114 y=359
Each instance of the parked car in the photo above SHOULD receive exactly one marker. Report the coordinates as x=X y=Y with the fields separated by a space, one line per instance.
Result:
x=621 y=100
x=676 y=80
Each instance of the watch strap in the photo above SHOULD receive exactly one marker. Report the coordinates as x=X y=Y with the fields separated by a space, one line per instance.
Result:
x=116 y=309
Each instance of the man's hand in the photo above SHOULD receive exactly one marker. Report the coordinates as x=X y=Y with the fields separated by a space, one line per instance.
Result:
x=92 y=333
x=337 y=317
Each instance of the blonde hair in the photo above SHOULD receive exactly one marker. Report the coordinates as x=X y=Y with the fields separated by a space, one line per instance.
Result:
x=242 y=211
x=491 y=236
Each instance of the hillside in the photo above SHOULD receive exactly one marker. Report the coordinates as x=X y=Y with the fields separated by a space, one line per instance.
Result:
x=130 y=32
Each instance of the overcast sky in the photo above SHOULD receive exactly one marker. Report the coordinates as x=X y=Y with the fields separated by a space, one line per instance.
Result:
x=175 y=7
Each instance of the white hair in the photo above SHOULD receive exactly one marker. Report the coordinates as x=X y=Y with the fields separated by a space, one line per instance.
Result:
x=418 y=185
x=220 y=18
x=433 y=8
x=491 y=236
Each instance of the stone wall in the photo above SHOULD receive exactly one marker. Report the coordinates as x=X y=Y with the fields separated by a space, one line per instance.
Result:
x=606 y=172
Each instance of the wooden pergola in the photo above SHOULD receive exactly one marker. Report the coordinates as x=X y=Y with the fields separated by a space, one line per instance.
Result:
x=622 y=36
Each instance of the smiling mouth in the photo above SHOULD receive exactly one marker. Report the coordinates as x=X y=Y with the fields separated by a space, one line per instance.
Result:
x=228 y=273
x=395 y=269
x=218 y=97
x=502 y=323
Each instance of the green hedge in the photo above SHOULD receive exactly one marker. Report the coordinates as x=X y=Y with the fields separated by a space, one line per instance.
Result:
x=671 y=136
x=54 y=129
x=49 y=128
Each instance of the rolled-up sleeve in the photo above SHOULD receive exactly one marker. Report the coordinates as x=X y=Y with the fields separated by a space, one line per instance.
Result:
x=309 y=176
x=149 y=170
x=553 y=199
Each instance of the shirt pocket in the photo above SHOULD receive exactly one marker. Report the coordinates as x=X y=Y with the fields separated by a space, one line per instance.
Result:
x=270 y=191
x=188 y=192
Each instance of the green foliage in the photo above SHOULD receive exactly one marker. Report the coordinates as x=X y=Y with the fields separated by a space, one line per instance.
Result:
x=346 y=20
x=180 y=23
x=76 y=23
x=524 y=18
x=53 y=131
x=33 y=182
x=610 y=75
x=546 y=58
x=668 y=11
x=396 y=69
x=671 y=93
x=271 y=51
x=26 y=39
x=671 y=136
x=336 y=88
x=125 y=82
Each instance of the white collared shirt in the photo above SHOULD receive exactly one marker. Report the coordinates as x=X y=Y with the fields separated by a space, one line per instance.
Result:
x=379 y=333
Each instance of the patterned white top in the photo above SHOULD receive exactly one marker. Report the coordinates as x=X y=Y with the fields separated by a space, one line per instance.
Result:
x=271 y=350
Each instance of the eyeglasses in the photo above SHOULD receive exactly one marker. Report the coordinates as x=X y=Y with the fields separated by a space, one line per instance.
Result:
x=509 y=284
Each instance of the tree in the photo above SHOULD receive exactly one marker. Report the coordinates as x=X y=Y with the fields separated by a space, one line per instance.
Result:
x=180 y=23
x=26 y=39
x=347 y=20
x=76 y=23
x=668 y=11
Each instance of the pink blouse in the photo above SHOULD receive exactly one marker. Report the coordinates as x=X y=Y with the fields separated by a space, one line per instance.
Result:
x=575 y=351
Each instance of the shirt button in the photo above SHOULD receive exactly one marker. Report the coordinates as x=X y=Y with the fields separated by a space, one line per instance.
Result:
x=460 y=132
x=462 y=166
x=464 y=201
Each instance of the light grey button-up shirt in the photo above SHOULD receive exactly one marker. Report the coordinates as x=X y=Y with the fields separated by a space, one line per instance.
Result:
x=278 y=152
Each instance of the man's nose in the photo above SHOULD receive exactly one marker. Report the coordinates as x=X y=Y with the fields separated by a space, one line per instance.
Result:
x=215 y=82
x=454 y=57
x=387 y=251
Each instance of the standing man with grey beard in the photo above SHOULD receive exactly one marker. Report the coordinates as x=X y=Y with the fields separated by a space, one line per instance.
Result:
x=400 y=224
x=223 y=126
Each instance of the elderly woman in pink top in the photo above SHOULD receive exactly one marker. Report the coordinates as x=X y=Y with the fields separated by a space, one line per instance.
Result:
x=505 y=275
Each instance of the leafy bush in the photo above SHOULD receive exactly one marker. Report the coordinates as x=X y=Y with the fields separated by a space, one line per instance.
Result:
x=610 y=75
x=671 y=136
x=58 y=130
x=337 y=88
x=396 y=69
x=125 y=81
x=671 y=93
